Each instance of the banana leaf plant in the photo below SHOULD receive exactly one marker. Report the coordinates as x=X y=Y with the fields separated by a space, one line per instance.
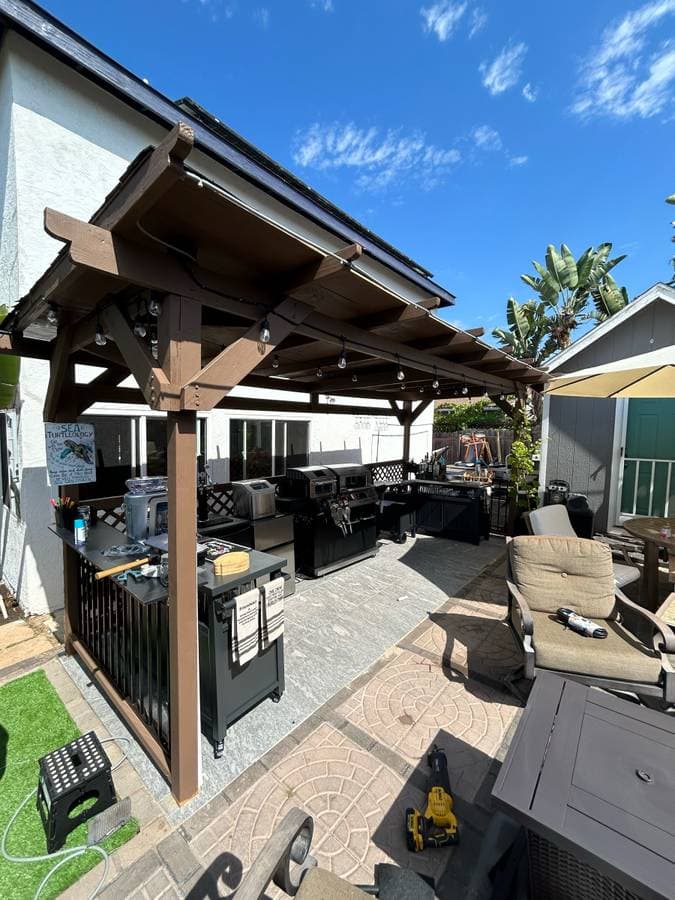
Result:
x=9 y=373
x=565 y=285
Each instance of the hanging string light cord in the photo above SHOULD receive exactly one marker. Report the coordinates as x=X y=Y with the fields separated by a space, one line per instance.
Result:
x=68 y=853
x=184 y=255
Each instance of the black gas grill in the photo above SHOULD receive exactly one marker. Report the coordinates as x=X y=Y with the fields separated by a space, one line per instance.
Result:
x=334 y=510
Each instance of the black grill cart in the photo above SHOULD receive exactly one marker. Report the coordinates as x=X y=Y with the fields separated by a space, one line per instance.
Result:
x=228 y=690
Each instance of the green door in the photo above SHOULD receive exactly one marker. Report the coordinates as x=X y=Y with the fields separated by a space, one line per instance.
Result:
x=648 y=487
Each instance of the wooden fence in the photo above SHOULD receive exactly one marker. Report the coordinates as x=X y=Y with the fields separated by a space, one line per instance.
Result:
x=499 y=439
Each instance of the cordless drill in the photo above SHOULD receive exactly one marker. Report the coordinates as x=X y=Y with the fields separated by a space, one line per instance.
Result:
x=438 y=826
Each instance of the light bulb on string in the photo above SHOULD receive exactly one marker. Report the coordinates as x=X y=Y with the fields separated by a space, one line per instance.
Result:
x=465 y=390
x=342 y=358
x=101 y=339
x=502 y=397
x=265 y=332
x=154 y=307
x=140 y=328
x=355 y=378
x=319 y=372
x=275 y=361
x=435 y=385
x=400 y=374
x=52 y=315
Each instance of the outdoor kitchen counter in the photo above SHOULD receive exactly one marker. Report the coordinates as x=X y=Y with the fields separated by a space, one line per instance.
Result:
x=103 y=536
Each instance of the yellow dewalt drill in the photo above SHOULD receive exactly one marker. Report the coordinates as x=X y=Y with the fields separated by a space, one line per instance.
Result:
x=438 y=826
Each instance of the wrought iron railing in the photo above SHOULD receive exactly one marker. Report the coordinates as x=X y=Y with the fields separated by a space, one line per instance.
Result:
x=129 y=640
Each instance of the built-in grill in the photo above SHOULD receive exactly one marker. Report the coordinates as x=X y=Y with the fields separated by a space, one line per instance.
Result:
x=334 y=509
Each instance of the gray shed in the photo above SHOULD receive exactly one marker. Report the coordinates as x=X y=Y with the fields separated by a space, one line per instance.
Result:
x=619 y=453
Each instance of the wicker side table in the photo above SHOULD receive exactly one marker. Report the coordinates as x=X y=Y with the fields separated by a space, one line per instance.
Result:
x=592 y=779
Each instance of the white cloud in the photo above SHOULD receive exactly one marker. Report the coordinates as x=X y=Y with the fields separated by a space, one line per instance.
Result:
x=379 y=159
x=442 y=18
x=324 y=5
x=487 y=138
x=626 y=76
x=530 y=93
x=478 y=21
x=262 y=17
x=518 y=160
x=505 y=70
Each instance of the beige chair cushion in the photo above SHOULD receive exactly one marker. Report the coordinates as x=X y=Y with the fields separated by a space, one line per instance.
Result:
x=553 y=571
x=320 y=884
x=620 y=655
x=553 y=519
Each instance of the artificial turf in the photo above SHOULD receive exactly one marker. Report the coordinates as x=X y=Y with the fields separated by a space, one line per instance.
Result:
x=34 y=721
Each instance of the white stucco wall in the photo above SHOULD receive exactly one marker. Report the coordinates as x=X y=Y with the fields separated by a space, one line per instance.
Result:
x=64 y=143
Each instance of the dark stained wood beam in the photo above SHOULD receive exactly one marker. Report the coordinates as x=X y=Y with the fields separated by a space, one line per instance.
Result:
x=149 y=374
x=149 y=181
x=326 y=268
x=216 y=379
x=60 y=374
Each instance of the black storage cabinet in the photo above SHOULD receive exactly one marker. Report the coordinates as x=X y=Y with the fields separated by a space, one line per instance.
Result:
x=451 y=513
x=228 y=690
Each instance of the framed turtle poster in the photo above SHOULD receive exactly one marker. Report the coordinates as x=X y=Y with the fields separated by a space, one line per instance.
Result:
x=71 y=452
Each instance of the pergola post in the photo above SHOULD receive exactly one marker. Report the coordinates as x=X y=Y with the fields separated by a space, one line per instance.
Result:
x=180 y=357
x=407 y=422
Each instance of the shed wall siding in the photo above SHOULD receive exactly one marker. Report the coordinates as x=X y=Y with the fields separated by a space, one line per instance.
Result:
x=580 y=442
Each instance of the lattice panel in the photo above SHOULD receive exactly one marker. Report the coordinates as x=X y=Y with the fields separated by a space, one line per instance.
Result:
x=393 y=470
x=220 y=500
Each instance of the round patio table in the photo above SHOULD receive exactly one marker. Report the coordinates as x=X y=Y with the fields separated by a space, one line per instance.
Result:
x=648 y=528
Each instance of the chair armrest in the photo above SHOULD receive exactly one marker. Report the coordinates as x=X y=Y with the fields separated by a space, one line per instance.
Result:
x=290 y=840
x=659 y=625
x=523 y=608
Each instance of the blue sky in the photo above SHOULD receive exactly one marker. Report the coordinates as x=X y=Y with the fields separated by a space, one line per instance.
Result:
x=469 y=134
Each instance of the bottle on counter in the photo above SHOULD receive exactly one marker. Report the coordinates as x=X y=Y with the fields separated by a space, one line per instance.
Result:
x=80 y=531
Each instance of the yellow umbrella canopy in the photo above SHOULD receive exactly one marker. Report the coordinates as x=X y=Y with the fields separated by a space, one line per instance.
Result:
x=650 y=375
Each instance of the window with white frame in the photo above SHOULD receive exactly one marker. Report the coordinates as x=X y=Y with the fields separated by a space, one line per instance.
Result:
x=262 y=448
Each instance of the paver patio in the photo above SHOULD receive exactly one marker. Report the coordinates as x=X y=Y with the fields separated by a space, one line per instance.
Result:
x=397 y=653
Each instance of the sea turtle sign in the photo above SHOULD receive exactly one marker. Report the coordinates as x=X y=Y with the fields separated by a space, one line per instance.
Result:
x=71 y=452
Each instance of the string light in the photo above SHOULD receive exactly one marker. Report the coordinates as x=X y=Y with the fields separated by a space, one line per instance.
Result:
x=275 y=361
x=101 y=339
x=265 y=332
x=400 y=374
x=355 y=378
x=319 y=372
x=154 y=346
x=421 y=389
x=465 y=390
x=154 y=307
x=434 y=383
x=342 y=358
x=438 y=393
x=140 y=328
x=52 y=315
x=502 y=397
x=402 y=387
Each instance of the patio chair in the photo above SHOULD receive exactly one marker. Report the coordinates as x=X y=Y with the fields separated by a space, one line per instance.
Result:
x=290 y=843
x=554 y=519
x=549 y=572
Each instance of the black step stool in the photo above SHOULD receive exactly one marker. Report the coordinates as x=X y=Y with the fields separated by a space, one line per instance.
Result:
x=76 y=772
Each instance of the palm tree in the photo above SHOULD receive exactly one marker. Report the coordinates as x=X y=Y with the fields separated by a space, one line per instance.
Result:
x=565 y=286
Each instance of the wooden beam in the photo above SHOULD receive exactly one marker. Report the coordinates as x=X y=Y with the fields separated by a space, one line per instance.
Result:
x=61 y=378
x=419 y=409
x=180 y=353
x=404 y=313
x=158 y=391
x=215 y=380
x=407 y=422
x=148 y=182
x=99 y=250
x=254 y=404
x=328 y=266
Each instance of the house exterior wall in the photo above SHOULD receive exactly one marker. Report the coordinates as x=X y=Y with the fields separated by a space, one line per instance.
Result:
x=580 y=447
x=64 y=143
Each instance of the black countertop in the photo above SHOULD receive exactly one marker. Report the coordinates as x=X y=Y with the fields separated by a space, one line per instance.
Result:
x=103 y=536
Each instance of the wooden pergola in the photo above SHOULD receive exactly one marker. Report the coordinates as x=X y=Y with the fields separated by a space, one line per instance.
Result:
x=227 y=296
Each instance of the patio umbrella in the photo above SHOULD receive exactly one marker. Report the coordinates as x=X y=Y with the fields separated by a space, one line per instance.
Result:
x=650 y=375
